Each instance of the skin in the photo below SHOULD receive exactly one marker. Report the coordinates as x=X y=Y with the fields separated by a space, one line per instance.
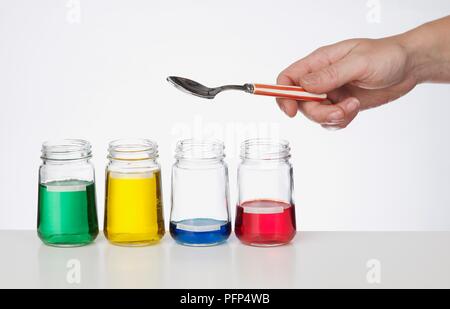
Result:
x=360 y=74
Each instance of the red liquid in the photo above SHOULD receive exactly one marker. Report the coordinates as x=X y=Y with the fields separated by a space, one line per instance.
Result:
x=265 y=223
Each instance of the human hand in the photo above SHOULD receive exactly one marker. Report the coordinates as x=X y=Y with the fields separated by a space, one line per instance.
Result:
x=357 y=74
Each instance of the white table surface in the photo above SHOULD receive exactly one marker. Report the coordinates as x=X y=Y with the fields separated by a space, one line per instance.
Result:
x=313 y=260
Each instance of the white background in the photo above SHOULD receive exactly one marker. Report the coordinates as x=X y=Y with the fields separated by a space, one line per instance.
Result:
x=96 y=70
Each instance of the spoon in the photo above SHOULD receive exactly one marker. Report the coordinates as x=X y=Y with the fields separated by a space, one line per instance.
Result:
x=279 y=91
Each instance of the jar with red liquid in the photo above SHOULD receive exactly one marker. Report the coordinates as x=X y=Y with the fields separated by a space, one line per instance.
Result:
x=265 y=214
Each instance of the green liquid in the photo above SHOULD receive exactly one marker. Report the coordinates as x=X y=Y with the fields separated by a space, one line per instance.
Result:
x=67 y=213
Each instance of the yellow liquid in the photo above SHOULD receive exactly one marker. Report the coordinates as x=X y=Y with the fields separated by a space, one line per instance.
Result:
x=133 y=208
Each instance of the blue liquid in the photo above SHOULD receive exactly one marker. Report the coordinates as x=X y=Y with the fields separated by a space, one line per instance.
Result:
x=200 y=231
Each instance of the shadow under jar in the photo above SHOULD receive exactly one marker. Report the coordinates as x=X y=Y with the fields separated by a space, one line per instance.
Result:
x=133 y=199
x=67 y=213
x=265 y=213
x=200 y=203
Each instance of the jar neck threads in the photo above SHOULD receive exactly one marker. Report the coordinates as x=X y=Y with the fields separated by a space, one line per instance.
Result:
x=132 y=150
x=66 y=150
x=200 y=150
x=265 y=149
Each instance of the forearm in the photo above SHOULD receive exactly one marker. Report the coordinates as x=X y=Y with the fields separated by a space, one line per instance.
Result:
x=428 y=48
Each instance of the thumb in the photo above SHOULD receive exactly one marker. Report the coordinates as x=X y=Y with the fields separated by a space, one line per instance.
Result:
x=334 y=76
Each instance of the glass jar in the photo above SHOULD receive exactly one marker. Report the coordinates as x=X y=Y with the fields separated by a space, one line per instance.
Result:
x=67 y=212
x=265 y=214
x=133 y=199
x=200 y=199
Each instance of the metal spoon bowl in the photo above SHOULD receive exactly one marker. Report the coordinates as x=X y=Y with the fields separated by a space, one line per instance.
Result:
x=197 y=89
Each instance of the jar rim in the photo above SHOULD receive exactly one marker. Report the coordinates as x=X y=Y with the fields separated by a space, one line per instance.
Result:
x=66 y=149
x=132 y=149
x=265 y=149
x=200 y=149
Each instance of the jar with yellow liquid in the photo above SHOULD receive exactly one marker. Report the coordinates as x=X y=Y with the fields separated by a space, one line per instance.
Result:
x=133 y=205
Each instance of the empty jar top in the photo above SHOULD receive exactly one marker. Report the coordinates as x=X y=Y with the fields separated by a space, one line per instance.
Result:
x=265 y=149
x=192 y=149
x=66 y=149
x=133 y=149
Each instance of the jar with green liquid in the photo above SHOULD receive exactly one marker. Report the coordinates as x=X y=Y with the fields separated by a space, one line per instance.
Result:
x=67 y=213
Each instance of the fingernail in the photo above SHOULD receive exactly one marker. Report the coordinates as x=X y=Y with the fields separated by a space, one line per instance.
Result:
x=352 y=105
x=331 y=127
x=336 y=117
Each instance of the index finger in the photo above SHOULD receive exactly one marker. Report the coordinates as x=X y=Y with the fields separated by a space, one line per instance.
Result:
x=292 y=74
x=289 y=106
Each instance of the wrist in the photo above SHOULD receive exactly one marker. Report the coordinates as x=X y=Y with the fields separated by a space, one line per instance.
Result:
x=416 y=46
x=428 y=52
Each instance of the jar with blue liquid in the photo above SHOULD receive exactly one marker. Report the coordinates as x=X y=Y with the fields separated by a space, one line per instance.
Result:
x=200 y=213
